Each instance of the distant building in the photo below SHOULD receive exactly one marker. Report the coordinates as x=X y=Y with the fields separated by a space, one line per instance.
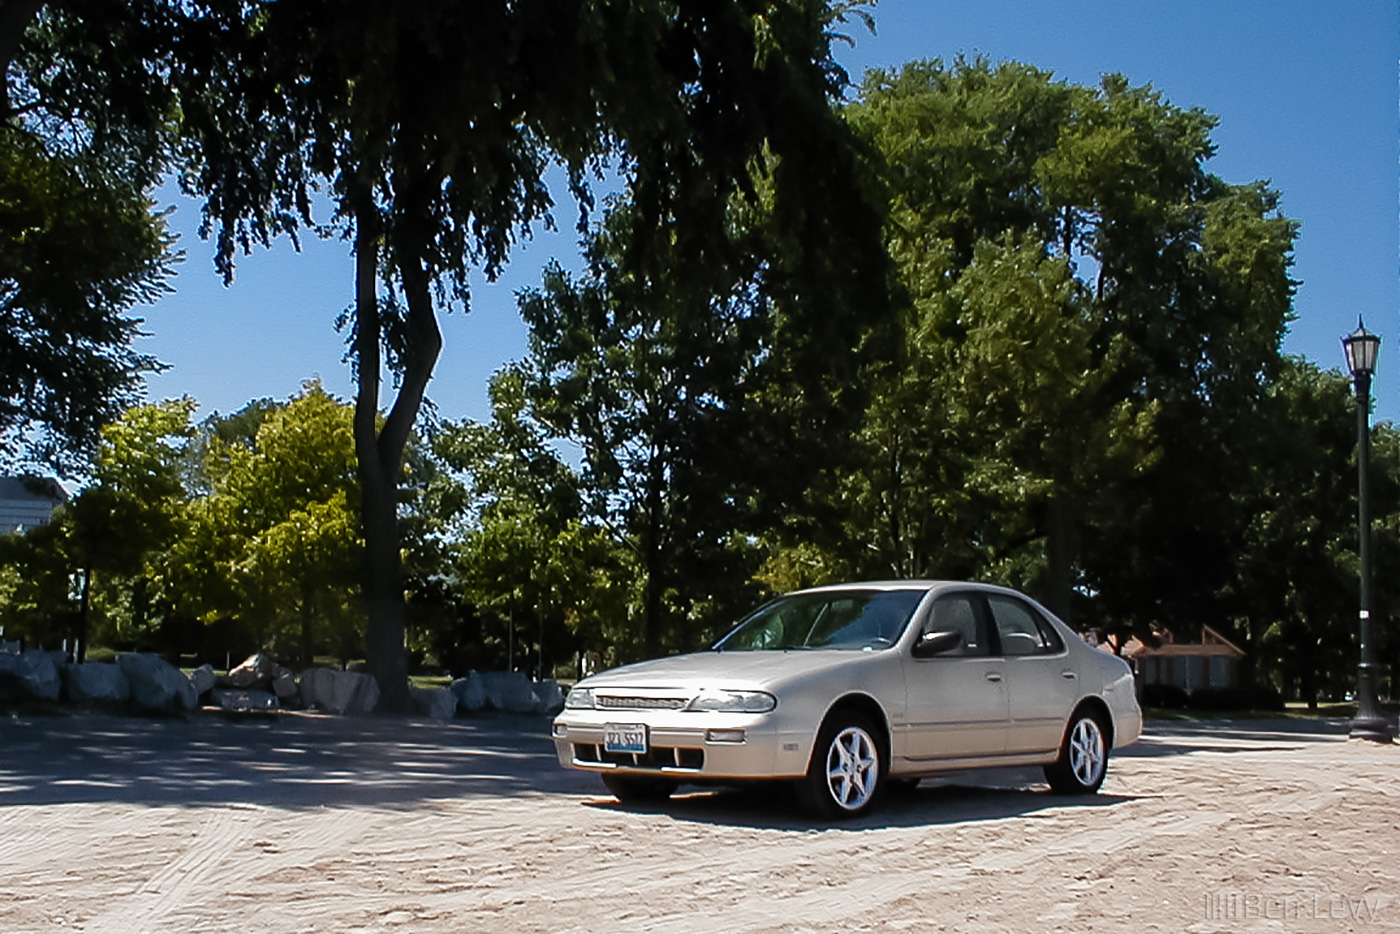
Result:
x=27 y=502
x=1210 y=663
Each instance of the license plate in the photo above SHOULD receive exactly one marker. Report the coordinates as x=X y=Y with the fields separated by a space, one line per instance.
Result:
x=625 y=737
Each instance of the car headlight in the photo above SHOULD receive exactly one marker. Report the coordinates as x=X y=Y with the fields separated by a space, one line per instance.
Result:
x=734 y=701
x=579 y=699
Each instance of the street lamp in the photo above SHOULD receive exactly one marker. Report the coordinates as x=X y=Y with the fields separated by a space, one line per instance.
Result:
x=1361 y=347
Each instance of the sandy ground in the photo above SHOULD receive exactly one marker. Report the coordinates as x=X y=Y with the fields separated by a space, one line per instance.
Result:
x=309 y=824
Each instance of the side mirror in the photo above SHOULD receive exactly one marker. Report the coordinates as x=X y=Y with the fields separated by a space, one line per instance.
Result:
x=937 y=643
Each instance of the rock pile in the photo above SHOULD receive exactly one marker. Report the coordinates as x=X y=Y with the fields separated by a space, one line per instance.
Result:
x=150 y=683
x=257 y=683
x=508 y=691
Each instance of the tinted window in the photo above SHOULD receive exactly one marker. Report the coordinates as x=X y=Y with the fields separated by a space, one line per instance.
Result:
x=1020 y=628
x=959 y=613
x=844 y=619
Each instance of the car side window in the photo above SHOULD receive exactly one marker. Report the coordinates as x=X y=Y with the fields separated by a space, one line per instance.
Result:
x=959 y=613
x=1020 y=628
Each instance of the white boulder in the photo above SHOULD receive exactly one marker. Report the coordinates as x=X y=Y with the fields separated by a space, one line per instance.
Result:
x=255 y=670
x=470 y=691
x=438 y=703
x=341 y=692
x=156 y=684
x=96 y=681
x=202 y=678
x=549 y=697
x=284 y=683
x=510 y=691
x=37 y=670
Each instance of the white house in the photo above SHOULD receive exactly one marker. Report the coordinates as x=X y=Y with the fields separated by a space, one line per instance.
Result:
x=26 y=502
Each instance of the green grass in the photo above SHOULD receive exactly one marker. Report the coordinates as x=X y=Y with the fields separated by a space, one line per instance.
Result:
x=429 y=681
x=1324 y=709
x=1174 y=713
x=1291 y=711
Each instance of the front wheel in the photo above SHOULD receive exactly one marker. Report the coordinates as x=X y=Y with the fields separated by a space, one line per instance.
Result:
x=1083 y=760
x=632 y=790
x=846 y=771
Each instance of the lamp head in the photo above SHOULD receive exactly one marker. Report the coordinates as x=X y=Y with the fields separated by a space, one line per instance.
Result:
x=1361 y=348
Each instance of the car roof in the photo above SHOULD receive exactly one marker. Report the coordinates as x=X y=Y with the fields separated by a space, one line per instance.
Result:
x=915 y=584
x=878 y=585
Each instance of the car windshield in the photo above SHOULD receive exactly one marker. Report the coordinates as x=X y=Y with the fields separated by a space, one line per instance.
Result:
x=843 y=619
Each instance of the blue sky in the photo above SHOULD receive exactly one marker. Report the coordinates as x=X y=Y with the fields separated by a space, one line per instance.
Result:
x=1306 y=94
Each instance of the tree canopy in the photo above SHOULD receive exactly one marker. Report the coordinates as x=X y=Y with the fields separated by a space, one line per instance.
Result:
x=975 y=322
x=432 y=126
x=1090 y=315
x=82 y=124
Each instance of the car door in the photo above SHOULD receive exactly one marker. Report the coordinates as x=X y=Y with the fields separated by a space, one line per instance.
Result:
x=957 y=702
x=1041 y=681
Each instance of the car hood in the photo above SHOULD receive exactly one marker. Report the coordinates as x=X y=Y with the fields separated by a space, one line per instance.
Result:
x=740 y=670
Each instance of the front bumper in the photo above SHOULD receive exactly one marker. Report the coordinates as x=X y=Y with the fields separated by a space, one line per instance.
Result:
x=686 y=746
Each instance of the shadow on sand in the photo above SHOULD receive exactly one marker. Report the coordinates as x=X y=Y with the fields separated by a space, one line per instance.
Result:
x=305 y=761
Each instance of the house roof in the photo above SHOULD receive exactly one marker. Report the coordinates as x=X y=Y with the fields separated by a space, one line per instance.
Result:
x=26 y=502
x=32 y=488
x=1212 y=644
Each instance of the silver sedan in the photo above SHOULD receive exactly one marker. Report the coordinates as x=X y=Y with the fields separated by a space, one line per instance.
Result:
x=845 y=689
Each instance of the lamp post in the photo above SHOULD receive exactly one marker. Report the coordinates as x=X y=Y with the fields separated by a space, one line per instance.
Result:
x=1361 y=347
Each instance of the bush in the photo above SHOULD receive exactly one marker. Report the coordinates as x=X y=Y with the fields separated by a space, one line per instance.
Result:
x=1168 y=696
x=1217 y=699
x=1236 y=698
x=1268 y=698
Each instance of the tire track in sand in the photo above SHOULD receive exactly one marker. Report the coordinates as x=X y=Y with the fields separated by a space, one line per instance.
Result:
x=194 y=869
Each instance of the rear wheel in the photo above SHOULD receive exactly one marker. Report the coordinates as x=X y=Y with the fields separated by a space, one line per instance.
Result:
x=847 y=768
x=1083 y=760
x=631 y=789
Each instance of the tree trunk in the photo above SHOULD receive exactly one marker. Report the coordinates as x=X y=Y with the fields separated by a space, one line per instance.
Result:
x=651 y=611
x=1309 y=684
x=898 y=563
x=84 y=607
x=1059 y=556
x=379 y=451
x=308 y=647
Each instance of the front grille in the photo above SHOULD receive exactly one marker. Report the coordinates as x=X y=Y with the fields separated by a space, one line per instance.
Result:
x=657 y=757
x=614 y=702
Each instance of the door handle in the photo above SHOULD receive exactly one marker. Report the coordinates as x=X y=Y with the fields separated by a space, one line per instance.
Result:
x=1071 y=675
x=993 y=676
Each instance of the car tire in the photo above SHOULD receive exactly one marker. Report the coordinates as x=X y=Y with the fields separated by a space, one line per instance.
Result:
x=847 y=770
x=1083 y=759
x=633 y=790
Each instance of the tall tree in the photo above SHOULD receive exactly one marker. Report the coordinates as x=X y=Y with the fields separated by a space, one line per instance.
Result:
x=79 y=248
x=650 y=374
x=84 y=121
x=276 y=541
x=1292 y=595
x=523 y=549
x=434 y=124
x=103 y=544
x=1092 y=317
